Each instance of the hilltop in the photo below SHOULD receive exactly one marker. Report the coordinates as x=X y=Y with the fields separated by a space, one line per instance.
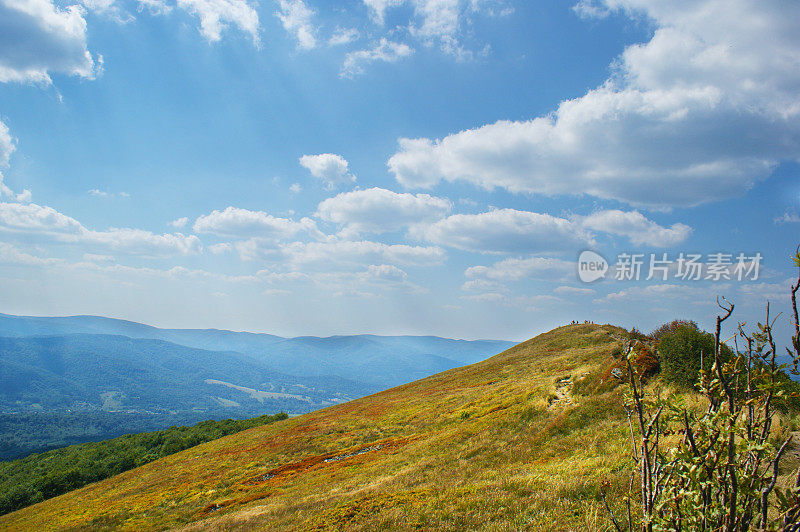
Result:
x=506 y=442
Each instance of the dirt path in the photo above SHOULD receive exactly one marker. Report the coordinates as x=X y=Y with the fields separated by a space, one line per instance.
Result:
x=563 y=394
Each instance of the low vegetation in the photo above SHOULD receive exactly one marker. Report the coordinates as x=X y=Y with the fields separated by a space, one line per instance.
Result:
x=41 y=476
x=724 y=470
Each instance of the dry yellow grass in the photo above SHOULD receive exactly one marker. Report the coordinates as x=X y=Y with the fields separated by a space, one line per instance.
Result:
x=478 y=447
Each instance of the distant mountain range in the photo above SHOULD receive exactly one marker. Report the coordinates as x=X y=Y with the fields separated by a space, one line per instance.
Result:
x=144 y=378
x=382 y=361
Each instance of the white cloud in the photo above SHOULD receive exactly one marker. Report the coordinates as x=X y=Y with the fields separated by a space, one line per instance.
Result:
x=243 y=223
x=343 y=36
x=35 y=220
x=377 y=8
x=439 y=18
x=217 y=15
x=386 y=51
x=483 y=285
x=638 y=228
x=24 y=196
x=788 y=218
x=503 y=231
x=329 y=168
x=439 y=22
x=100 y=193
x=37 y=38
x=108 y=8
x=155 y=7
x=590 y=9
x=145 y=243
x=180 y=223
x=699 y=113
x=295 y=188
x=7 y=147
x=516 y=269
x=296 y=18
x=10 y=254
x=377 y=210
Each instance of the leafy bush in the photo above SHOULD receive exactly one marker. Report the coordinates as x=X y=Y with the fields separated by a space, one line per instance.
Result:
x=670 y=327
x=680 y=349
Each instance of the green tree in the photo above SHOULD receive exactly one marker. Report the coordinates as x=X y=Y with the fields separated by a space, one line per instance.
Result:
x=683 y=350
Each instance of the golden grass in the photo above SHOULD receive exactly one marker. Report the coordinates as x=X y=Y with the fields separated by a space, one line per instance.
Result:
x=471 y=448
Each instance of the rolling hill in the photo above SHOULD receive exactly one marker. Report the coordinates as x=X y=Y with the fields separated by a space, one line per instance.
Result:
x=117 y=373
x=382 y=361
x=500 y=444
x=60 y=390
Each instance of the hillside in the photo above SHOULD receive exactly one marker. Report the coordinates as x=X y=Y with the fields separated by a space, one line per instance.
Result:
x=499 y=444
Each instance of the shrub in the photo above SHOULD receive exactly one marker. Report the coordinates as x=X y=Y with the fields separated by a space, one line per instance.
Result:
x=670 y=327
x=680 y=352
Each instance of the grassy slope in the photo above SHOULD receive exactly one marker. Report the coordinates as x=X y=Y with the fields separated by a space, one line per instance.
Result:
x=473 y=447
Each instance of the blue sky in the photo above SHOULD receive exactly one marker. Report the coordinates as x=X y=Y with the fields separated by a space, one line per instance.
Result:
x=394 y=166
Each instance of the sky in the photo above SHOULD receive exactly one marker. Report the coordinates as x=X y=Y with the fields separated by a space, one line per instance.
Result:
x=302 y=167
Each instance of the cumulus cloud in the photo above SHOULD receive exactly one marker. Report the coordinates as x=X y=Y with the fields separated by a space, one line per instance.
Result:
x=377 y=210
x=329 y=168
x=701 y=112
x=38 y=38
x=296 y=18
x=217 y=15
x=386 y=51
x=32 y=220
x=639 y=229
x=242 y=223
x=503 y=231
